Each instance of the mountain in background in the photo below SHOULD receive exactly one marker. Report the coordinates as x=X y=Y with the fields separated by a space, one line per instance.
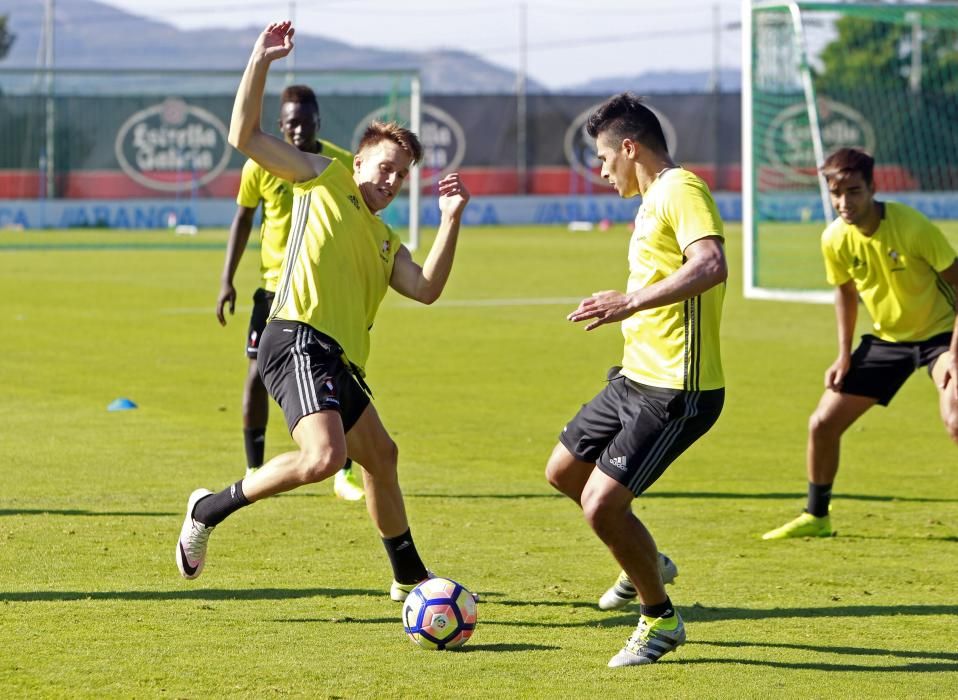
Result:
x=91 y=34
x=730 y=80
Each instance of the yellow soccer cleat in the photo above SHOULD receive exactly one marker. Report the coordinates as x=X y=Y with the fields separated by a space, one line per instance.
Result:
x=805 y=525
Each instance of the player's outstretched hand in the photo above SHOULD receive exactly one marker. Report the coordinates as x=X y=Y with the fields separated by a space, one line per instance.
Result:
x=275 y=42
x=609 y=306
x=835 y=375
x=227 y=294
x=453 y=195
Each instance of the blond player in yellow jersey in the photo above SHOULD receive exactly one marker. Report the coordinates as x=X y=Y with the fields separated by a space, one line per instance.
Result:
x=299 y=122
x=670 y=388
x=340 y=260
x=906 y=274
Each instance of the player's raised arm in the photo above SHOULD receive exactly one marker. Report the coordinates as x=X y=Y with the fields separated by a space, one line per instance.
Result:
x=278 y=157
x=426 y=283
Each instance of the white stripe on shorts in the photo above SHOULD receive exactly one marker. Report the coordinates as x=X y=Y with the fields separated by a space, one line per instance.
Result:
x=665 y=441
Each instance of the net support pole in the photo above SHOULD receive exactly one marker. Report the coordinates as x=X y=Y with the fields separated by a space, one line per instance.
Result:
x=49 y=25
x=812 y=107
x=415 y=177
x=748 y=160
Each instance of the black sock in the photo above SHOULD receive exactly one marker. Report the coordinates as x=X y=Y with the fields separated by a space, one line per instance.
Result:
x=212 y=510
x=255 y=439
x=407 y=566
x=819 y=496
x=661 y=610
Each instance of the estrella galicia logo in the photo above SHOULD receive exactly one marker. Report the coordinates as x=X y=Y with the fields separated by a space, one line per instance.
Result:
x=788 y=140
x=580 y=147
x=172 y=146
x=443 y=140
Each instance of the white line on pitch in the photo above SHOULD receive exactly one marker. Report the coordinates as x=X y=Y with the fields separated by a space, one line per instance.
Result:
x=408 y=304
x=532 y=301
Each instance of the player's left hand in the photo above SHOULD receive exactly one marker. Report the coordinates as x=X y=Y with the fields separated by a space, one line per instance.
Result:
x=453 y=195
x=609 y=306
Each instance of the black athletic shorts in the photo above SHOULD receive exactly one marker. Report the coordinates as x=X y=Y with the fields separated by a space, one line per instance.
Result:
x=880 y=367
x=633 y=432
x=304 y=371
x=262 y=303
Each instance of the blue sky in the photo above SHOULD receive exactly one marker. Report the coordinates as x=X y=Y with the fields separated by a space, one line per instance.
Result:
x=569 y=41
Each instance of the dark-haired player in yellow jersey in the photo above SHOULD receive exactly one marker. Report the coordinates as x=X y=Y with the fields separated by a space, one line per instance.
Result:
x=906 y=274
x=670 y=388
x=299 y=122
x=340 y=260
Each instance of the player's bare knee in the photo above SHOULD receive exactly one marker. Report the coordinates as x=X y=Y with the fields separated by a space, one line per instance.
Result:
x=601 y=515
x=821 y=425
x=320 y=463
x=951 y=425
x=384 y=462
x=554 y=475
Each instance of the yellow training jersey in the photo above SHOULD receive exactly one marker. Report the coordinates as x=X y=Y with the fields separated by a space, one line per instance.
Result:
x=895 y=271
x=257 y=185
x=339 y=260
x=674 y=346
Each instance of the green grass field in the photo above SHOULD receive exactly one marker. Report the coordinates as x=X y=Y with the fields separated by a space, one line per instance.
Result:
x=475 y=390
x=791 y=257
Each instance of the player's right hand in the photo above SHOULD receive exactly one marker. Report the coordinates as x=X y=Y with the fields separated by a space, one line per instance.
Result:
x=835 y=375
x=275 y=42
x=227 y=294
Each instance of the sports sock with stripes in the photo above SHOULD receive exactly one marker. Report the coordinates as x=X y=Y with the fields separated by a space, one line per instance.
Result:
x=407 y=566
x=212 y=510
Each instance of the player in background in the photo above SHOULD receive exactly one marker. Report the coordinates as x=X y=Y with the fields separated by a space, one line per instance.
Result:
x=670 y=388
x=299 y=122
x=340 y=260
x=906 y=274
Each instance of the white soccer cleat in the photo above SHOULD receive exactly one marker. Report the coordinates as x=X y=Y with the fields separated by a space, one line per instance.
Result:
x=623 y=592
x=348 y=485
x=400 y=591
x=194 y=536
x=652 y=639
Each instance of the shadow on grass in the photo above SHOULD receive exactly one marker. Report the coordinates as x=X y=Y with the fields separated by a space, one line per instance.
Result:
x=189 y=594
x=700 y=613
x=854 y=651
x=470 y=648
x=692 y=495
x=920 y=538
x=821 y=666
x=796 y=495
x=76 y=511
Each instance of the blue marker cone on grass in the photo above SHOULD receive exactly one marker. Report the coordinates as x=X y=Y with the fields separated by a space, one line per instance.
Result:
x=121 y=404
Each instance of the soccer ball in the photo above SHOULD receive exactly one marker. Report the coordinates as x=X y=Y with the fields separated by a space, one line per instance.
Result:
x=439 y=614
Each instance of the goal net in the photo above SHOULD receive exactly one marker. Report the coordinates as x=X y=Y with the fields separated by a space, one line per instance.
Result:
x=818 y=76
